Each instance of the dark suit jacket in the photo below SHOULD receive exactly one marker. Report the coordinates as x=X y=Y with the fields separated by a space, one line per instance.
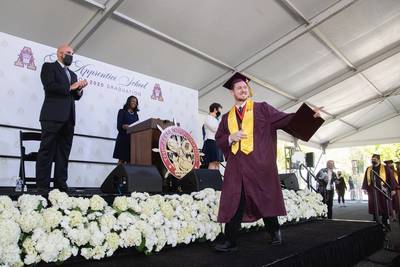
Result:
x=322 y=183
x=59 y=100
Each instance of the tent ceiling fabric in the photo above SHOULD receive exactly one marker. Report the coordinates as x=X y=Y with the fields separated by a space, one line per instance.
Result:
x=212 y=26
x=144 y=53
x=299 y=66
x=344 y=55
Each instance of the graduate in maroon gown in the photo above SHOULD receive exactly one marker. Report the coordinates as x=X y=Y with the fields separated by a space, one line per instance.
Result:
x=383 y=205
x=395 y=199
x=247 y=136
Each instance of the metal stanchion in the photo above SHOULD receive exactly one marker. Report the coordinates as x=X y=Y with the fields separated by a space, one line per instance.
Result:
x=384 y=186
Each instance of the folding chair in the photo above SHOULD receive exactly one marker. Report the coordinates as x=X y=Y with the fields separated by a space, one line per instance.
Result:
x=30 y=182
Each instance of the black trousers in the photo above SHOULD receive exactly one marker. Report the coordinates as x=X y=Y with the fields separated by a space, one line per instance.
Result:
x=328 y=200
x=341 y=197
x=55 y=146
x=232 y=228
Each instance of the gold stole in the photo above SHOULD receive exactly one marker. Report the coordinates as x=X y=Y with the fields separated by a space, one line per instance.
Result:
x=382 y=173
x=246 y=145
x=396 y=176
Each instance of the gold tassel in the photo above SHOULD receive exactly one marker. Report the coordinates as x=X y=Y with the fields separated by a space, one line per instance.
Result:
x=251 y=92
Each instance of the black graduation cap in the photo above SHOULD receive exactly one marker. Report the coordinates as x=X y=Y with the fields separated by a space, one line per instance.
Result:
x=303 y=125
x=237 y=77
x=387 y=162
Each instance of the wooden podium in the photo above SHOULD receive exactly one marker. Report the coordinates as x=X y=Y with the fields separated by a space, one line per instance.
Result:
x=144 y=137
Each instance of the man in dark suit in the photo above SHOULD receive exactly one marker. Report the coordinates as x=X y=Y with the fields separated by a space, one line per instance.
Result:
x=327 y=178
x=57 y=119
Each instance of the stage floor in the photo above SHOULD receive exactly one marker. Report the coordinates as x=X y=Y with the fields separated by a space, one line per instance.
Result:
x=315 y=243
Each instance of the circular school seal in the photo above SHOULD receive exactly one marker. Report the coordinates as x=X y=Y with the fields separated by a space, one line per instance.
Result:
x=178 y=151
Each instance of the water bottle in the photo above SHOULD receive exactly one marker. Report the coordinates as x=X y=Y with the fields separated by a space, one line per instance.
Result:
x=18 y=186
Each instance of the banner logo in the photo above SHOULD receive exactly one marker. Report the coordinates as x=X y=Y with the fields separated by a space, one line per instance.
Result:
x=157 y=93
x=25 y=58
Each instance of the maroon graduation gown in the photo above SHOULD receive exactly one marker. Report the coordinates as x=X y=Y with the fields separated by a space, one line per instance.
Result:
x=382 y=203
x=257 y=171
x=396 y=198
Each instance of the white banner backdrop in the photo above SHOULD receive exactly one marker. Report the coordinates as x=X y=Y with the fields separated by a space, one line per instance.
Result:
x=109 y=86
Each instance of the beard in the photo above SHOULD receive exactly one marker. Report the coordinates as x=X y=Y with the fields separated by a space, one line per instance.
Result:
x=241 y=97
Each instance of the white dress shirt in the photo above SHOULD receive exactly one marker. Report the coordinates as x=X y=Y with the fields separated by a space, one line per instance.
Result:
x=210 y=127
x=329 y=186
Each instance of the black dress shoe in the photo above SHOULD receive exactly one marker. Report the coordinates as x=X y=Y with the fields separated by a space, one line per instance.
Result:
x=276 y=238
x=227 y=246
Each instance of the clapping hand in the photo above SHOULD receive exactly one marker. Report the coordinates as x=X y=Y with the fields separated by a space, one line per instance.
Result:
x=79 y=85
x=237 y=136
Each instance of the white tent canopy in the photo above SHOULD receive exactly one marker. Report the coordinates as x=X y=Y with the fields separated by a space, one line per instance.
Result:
x=343 y=55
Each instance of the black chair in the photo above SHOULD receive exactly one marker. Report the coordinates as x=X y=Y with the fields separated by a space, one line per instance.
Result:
x=30 y=182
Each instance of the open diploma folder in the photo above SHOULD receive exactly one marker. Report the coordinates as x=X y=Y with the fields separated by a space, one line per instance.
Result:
x=303 y=125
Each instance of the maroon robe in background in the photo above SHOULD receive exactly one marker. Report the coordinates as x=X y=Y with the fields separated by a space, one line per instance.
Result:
x=382 y=203
x=396 y=198
x=257 y=171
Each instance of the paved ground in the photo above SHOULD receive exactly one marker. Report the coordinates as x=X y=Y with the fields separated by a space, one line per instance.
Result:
x=358 y=210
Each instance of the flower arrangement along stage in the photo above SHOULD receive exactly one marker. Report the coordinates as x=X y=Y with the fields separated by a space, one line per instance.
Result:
x=34 y=229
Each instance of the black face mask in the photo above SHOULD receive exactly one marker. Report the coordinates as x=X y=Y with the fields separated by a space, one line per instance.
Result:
x=67 y=60
x=218 y=114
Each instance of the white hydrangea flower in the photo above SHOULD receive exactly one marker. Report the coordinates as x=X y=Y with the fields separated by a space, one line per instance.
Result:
x=131 y=237
x=167 y=210
x=81 y=203
x=96 y=253
x=27 y=203
x=51 y=218
x=112 y=242
x=96 y=236
x=140 y=196
x=79 y=237
x=5 y=203
x=133 y=205
x=161 y=239
x=107 y=222
x=75 y=218
x=120 y=203
x=10 y=255
x=9 y=237
x=51 y=245
x=31 y=256
x=125 y=220
x=60 y=200
x=97 y=203
x=11 y=214
x=30 y=220
x=9 y=233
